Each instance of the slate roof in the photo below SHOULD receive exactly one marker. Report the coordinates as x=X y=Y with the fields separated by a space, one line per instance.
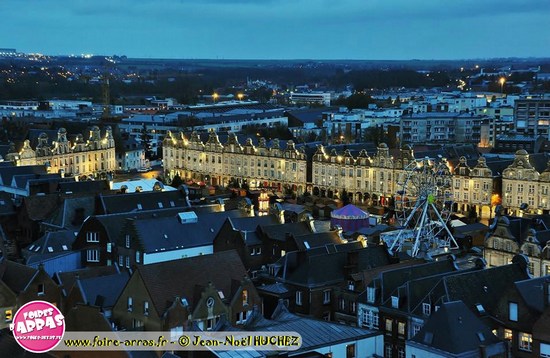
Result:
x=315 y=270
x=66 y=215
x=164 y=281
x=67 y=279
x=250 y=223
x=531 y=291
x=84 y=186
x=7 y=173
x=120 y=203
x=275 y=288
x=169 y=234
x=279 y=232
x=40 y=207
x=315 y=333
x=455 y=329
x=51 y=244
x=305 y=242
x=102 y=291
x=16 y=276
x=391 y=279
x=485 y=287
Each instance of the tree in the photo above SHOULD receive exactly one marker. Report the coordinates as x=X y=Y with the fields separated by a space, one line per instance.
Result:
x=176 y=181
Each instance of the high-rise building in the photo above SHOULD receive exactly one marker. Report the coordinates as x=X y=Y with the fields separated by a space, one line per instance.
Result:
x=532 y=117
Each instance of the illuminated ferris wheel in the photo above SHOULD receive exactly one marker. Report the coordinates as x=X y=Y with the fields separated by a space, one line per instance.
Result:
x=423 y=209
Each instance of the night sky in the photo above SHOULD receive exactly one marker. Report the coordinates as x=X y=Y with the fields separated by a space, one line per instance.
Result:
x=279 y=29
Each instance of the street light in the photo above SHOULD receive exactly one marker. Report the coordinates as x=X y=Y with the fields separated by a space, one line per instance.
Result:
x=502 y=80
x=240 y=96
x=215 y=96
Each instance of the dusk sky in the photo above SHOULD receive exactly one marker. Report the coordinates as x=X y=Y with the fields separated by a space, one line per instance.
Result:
x=280 y=29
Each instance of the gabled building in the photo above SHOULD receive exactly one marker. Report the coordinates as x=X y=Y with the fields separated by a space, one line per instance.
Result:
x=20 y=284
x=454 y=331
x=312 y=277
x=529 y=236
x=100 y=291
x=95 y=156
x=145 y=241
x=177 y=294
x=518 y=311
x=319 y=338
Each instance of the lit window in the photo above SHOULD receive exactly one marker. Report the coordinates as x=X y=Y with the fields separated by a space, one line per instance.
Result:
x=525 y=341
x=130 y=304
x=145 y=308
x=389 y=325
x=401 y=328
x=245 y=297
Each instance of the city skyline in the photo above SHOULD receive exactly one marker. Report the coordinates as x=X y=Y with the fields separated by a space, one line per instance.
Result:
x=243 y=29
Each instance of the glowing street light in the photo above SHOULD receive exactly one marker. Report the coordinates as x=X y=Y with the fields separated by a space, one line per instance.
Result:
x=502 y=80
x=240 y=96
x=215 y=96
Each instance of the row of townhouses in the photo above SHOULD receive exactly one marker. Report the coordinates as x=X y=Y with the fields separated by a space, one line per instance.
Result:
x=375 y=179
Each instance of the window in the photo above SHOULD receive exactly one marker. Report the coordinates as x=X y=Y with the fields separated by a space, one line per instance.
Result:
x=92 y=237
x=120 y=260
x=245 y=297
x=298 y=298
x=241 y=317
x=371 y=294
x=388 y=350
x=145 y=308
x=326 y=296
x=401 y=328
x=137 y=256
x=40 y=290
x=341 y=304
x=209 y=324
x=545 y=350
x=127 y=241
x=525 y=341
x=130 y=304
x=513 y=311
x=395 y=301
x=401 y=352
x=92 y=255
x=350 y=351
x=389 y=325
x=109 y=247
x=127 y=261
x=426 y=309
x=416 y=328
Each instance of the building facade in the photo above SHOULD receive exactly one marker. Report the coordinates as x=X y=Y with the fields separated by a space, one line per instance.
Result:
x=95 y=156
x=221 y=164
x=532 y=117
x=525 y=190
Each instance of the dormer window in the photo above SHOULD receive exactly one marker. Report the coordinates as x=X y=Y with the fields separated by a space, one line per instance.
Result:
x=127 y=239
x=395 y=301
x=426 y=309
x=371 y=294
x=245 y=297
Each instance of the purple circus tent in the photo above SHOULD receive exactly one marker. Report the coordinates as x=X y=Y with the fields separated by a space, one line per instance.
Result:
x=350 y=218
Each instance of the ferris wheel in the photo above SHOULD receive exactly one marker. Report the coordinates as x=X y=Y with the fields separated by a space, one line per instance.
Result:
x=423 y=209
